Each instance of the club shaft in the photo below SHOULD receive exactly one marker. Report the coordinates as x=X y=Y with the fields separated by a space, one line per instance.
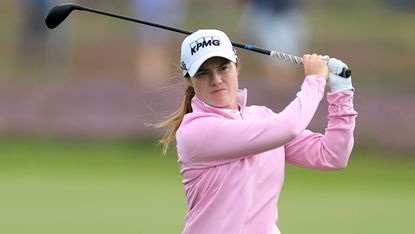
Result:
x=135 y=20
x=236 y=44
x=283 y=56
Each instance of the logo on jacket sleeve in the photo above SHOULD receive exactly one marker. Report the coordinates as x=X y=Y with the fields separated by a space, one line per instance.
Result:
x=204 y=42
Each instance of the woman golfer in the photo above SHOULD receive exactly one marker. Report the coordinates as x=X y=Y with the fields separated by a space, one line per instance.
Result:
x=231 y=155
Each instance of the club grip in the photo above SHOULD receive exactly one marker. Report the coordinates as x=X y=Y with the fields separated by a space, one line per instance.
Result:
x=346 y=73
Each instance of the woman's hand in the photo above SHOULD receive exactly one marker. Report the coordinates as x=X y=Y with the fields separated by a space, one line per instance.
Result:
x=315 y=65
x=337 y=83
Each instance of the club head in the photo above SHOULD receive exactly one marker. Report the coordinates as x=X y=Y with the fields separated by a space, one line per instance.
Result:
x=58 y=14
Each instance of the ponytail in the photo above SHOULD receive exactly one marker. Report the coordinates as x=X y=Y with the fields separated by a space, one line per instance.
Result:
x=176 y=119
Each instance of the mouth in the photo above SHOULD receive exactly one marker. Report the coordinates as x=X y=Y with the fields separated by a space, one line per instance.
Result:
x=218 y=90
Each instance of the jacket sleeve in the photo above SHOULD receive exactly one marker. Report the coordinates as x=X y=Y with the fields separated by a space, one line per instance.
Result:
x=209 y=139
x=332 y=149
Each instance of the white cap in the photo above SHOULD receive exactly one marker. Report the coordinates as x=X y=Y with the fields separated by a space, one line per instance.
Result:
x=202 y=45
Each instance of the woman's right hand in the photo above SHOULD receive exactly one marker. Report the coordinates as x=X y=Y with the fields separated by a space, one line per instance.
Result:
x=315 y=65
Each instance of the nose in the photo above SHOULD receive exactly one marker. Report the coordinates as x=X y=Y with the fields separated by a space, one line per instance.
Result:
x=216 y=79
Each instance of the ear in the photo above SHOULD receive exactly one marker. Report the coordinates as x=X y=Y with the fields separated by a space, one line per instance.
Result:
x=238 y=66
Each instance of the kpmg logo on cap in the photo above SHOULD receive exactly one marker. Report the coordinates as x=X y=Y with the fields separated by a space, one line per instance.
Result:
x=204 y=42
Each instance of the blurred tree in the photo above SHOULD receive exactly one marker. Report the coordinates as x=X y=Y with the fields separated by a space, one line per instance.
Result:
x=402 y=5
x=153 y=45
x=33 y=37
x=276 y=25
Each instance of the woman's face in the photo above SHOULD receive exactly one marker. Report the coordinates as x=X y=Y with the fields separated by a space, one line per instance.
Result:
x=216 y=83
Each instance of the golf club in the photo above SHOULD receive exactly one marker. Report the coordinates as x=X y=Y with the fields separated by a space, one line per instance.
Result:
x=58 y=14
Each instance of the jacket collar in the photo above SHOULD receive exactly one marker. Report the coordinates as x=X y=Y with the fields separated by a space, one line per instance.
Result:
x=200 y=106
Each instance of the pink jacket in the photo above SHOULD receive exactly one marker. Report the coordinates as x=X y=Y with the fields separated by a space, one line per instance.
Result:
x=233 y=163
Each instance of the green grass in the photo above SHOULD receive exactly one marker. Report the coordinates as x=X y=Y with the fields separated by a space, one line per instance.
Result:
x=127 y=187
x=375 y=194
x=50 y=187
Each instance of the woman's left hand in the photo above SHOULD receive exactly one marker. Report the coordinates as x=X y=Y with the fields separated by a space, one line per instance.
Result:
x=315 y=65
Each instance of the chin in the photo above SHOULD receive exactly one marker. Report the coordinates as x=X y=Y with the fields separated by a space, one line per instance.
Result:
x=217 y=104
x=223 y=104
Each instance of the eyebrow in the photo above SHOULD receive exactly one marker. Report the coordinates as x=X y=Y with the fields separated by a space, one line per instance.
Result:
x=220 y=65
x=202 y=70
x=225 y=63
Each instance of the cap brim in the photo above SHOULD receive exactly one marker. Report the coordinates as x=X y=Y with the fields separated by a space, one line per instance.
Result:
x=196 y=64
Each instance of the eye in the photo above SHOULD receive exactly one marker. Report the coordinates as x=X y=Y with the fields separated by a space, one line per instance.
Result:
x=201 y=73
x=224 y=67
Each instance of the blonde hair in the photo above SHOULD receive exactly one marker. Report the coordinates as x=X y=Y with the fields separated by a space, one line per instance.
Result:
x=176 y=119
